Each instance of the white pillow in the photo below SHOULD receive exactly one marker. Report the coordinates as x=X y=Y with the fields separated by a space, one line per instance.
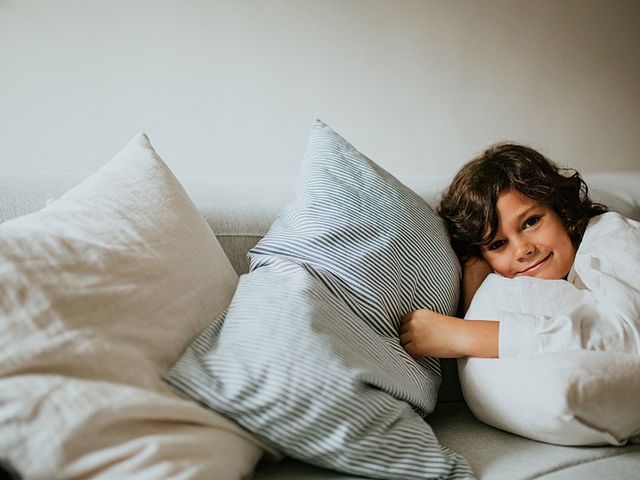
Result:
x=100 y=293
x=578 y=397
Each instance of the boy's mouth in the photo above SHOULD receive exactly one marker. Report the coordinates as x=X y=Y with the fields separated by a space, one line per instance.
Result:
x=536 y=267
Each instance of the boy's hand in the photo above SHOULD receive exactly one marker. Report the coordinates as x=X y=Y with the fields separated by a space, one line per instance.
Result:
x=425 y=333
x=429 y=334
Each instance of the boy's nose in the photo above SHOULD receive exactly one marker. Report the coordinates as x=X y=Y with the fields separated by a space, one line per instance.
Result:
x=525 y=249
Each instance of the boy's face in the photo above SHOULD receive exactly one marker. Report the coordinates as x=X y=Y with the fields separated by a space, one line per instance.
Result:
x=530 y=241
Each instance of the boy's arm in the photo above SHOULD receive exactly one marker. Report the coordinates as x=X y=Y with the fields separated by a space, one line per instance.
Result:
x=429 y=334
x=474 y=272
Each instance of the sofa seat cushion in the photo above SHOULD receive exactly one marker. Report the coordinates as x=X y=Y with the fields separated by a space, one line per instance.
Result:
x=493 y=454
x=497 y=455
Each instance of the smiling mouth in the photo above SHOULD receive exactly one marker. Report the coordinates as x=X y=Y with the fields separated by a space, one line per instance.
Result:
x=536 y=267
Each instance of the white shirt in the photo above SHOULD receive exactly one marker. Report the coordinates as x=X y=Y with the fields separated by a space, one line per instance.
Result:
x=596 y=308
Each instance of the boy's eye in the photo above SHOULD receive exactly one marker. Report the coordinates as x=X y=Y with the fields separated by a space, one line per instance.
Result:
x=531 y=221
x=496 y=245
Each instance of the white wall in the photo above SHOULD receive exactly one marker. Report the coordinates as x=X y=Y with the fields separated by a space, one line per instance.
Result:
x=230 y=88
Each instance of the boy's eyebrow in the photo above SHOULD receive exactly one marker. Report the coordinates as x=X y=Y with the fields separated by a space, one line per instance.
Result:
x=525 y=212
x=520 y=215
x=518 y=219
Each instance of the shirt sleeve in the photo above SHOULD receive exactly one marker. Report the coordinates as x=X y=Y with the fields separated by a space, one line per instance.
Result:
x=585 y=327
x=598 y=310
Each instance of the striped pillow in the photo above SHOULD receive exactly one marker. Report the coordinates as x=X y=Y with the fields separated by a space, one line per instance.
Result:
x=372 y=241
x=307 y=356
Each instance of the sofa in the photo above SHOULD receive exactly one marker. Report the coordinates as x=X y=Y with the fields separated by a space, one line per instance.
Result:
x=240 y=212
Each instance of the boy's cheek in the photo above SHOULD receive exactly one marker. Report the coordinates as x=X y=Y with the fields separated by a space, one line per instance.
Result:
x=496 y=266
x=504 y=272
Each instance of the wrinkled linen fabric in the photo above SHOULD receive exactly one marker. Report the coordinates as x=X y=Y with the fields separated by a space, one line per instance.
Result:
x=100 y=292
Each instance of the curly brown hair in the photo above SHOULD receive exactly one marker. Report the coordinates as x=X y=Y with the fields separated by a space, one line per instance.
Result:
x=468 y=206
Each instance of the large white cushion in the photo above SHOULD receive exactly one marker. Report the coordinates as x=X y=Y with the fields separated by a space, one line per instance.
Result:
x=577 y=397
x=572 y=397
x=100 y=292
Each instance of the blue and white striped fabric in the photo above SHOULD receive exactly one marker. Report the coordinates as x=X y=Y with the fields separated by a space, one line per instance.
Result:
x=307 y=356
x=372 y=241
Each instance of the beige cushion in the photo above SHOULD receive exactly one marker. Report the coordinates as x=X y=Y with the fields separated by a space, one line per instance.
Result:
x=100 y=292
